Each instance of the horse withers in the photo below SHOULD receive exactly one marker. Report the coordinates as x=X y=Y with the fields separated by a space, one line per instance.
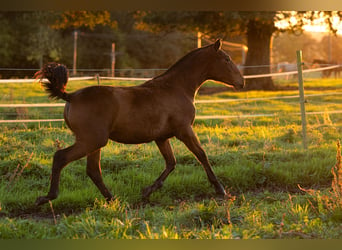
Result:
x=156 y=110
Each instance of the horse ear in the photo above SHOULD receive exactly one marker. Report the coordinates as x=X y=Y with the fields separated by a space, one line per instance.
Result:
x=217 y=44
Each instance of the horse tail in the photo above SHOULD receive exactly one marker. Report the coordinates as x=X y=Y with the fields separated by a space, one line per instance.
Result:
x=58 y=75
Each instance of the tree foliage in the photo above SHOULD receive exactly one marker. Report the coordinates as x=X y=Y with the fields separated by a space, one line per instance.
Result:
x=27 y=38
x=83 y=19
x=6 y=40
x=31 y=38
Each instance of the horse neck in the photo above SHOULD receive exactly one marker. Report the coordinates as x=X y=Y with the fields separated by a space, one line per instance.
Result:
x=188 y=75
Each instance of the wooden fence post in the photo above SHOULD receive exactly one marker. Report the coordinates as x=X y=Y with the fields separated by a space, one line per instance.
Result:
x=113 y=60
x=301 y=95
x=75 y=54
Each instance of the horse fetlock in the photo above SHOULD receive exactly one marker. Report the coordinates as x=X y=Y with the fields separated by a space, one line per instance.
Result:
x=219 y=189
x=146 y=192
x=45 y=199
x=150 y=189
x=108 y=195
x=42 y=200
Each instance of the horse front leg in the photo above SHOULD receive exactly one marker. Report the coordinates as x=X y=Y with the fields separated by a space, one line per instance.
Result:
x=170 y=161
x=189 y=138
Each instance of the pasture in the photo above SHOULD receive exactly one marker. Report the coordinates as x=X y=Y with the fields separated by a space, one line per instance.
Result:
x=259 y=159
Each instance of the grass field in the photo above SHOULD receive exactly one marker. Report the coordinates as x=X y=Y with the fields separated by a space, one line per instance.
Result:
x=260 y=161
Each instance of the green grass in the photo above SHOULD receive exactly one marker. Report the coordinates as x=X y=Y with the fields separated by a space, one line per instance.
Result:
x=259 y=160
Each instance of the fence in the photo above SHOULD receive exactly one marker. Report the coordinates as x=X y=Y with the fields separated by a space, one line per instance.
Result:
x=11 y=73
x=199 y=117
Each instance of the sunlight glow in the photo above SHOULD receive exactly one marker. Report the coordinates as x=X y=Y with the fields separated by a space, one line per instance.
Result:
x=317 y=25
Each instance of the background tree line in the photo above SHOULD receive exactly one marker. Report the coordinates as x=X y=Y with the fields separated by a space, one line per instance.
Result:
x=29 y=39
x=154 y=39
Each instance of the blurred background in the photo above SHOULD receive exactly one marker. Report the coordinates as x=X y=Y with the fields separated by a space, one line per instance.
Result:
x=145 y=44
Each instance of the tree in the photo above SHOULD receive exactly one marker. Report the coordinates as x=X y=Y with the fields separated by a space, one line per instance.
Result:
x=83 y=19
x=331 y=48
x=285 y=43
x=27 y=41
x=257 y=27
x=259 y=33
x=6 y=41
x=143 y=49
x=95 y=35
x=43 y=43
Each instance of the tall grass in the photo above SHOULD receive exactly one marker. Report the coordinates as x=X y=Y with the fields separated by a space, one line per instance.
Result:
x=329 y=203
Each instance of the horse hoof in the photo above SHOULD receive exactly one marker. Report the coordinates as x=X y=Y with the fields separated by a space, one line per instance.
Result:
x=42 y=200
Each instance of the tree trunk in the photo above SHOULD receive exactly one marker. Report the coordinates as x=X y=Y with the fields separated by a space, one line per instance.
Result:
x=259 y=33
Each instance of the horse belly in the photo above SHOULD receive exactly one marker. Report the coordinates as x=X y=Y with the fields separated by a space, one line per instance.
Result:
x=134 y=130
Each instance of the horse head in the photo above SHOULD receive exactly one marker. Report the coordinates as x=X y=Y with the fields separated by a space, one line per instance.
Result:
x=223 y=69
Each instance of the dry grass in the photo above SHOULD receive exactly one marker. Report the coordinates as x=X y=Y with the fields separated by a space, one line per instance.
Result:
x=15 y=176
x=336 y=185
x=331 y=202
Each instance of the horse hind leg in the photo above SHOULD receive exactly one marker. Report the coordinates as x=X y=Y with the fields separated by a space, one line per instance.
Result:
x=94 y=172
x=60 y=160
x=170 y=161
x=189 y=138
x=82 y=147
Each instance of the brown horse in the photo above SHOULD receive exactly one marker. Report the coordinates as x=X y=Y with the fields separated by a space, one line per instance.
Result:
x=327 y=73
x=157 y=110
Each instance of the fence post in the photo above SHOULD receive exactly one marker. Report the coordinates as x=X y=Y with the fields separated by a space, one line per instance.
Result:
x=199 y=39
x=113 y=59
x=301 y=95
x=97 y=76
x=75 y=53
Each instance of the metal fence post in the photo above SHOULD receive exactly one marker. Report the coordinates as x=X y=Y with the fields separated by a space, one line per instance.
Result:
x=301 y=95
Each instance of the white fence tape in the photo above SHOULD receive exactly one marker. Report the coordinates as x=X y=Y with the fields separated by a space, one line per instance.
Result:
x=198 y=117
x=30 y=121
x=125 y=78
x=212 y=117
x=32 y=105
x=263 y=98
x=291 y=72
x=47 y=105
x=34 y=80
